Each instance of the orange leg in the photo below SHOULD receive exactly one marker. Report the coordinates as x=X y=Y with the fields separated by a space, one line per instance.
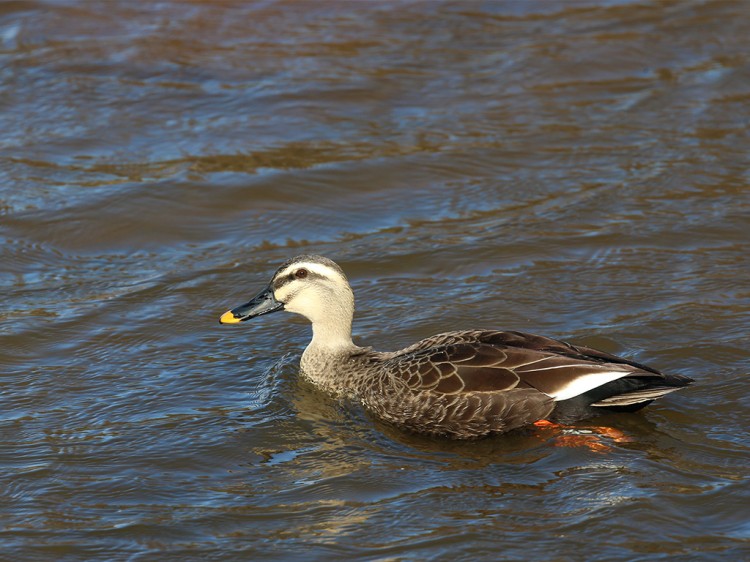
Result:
x=583 y=436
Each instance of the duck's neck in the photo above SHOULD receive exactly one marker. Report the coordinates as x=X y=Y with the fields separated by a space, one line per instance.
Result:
x=332 y=338
x=331 y=345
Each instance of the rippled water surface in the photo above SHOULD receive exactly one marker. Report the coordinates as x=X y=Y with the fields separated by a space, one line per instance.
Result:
x=576 y=169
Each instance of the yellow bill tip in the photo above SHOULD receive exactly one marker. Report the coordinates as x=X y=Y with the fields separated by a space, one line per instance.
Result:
x=228 y=318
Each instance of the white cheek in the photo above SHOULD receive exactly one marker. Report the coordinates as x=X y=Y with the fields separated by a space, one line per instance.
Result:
x=306 y=303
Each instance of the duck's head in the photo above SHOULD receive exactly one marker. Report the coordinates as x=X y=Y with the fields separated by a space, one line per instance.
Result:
x=310 y=285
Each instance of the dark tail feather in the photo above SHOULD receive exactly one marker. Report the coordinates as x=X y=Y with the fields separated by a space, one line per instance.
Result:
x=635 y=397
x=627 y=394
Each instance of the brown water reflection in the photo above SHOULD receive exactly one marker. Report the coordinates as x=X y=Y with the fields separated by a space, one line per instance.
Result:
x=577 y=169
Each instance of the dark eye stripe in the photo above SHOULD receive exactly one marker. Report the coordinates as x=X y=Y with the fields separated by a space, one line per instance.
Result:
x=291 y=276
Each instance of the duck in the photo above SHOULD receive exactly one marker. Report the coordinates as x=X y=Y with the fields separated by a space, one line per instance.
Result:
x=463 y=384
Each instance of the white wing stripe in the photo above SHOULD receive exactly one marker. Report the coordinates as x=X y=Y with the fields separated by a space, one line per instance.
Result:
x=586 y=382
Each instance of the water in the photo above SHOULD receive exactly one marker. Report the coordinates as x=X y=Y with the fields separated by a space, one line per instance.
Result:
x=576 y=169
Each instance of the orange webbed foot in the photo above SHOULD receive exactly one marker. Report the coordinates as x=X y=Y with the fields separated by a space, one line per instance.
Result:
x=589 y=437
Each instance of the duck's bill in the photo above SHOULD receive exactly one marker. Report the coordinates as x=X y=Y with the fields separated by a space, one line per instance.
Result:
x=263 y=303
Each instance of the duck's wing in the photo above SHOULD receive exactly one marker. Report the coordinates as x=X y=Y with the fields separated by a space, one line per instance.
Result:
x=532 y=342
x=522 y=340
x=490 y=361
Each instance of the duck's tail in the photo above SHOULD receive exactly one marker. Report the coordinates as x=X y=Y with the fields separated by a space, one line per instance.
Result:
x=627 y=394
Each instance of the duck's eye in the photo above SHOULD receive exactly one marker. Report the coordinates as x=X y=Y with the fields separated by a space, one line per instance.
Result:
x=300 y=273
